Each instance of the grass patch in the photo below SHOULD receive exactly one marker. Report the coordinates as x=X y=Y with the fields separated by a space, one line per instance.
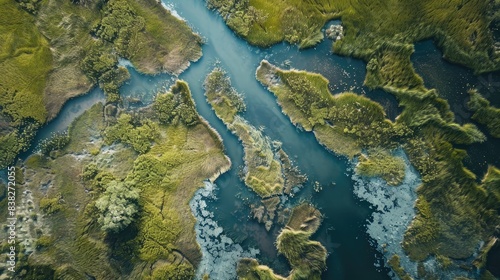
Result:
x=484 y=113
x=356 y=121
x=305 y=217
x=225 y=101
x=380 y=163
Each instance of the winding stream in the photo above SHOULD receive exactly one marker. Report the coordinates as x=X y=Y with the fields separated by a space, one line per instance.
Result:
x=344 y=230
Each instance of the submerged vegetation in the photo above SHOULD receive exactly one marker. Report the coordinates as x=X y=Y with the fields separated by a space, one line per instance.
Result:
x=53 y=51
x=113 y=210
x=449 y=222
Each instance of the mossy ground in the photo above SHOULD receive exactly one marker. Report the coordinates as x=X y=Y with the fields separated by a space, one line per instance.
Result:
x=161 y=240
x=454 y=212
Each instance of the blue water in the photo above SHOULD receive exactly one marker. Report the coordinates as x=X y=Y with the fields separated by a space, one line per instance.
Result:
x=343 y=231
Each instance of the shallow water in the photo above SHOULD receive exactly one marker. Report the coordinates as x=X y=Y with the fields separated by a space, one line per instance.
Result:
x=343 y=231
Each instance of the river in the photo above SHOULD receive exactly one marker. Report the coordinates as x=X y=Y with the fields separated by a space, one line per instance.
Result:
x=343 y=231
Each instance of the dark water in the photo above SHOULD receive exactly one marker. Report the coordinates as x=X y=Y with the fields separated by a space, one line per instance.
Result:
x=452 y=82
x=343 y=231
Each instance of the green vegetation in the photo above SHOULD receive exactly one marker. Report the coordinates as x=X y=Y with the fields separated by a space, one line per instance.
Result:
x=123 y=214
x=394 y=262
x=484 y=113
x=380 y=163
x=264 y=170
x=305 y=217
x=173 y=271
x=225 y=101
x=51 y=205
x=355 y=121
x=176 y=106
x=448 y=223
x=117 y=206
x=138 y=136
x=307 y=257
x=249 y=269
x=53 y=51
x=57 y=141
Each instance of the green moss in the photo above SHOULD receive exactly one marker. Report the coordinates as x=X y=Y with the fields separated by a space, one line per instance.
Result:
x=51 y=205
x=484 y=113
x=382 y=164
x=173 y=271
x=57 y=141
x=394 y=263
x=249 y=269
x=162 y=229
x=381 y=36
x=355 y=121
x=176 y=106
x=140 y=136
x=44 y=241
x=305 y=218
x=225 y=101
x=307 y=258
x=25 y=61
x=64 y=47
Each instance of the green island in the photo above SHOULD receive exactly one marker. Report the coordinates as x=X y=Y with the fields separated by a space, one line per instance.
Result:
x=55 y=50
x=266 y=165
x=449 y=224
x=307 y=257
x=484 y=113
x=112 y=202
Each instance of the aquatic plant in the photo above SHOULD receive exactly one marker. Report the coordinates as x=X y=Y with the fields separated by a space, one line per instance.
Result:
x=220 y=254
